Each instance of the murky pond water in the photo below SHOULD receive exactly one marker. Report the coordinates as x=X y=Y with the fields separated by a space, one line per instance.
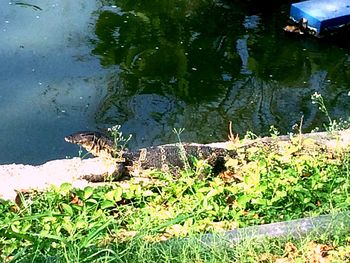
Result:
x=152 y=66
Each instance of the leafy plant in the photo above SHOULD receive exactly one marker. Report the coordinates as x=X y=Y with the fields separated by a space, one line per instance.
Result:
x=333 y=125
x=182 y=152
x=120 y=142
x=125 y=220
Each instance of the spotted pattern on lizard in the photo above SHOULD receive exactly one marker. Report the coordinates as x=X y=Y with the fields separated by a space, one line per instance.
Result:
x=165 y=157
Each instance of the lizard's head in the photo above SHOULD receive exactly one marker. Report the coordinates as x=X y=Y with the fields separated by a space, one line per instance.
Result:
x=94 y=142
x=83 y=138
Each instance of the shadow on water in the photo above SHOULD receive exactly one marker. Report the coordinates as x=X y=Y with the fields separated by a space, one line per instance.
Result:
x=152 y=66
x=200 y=64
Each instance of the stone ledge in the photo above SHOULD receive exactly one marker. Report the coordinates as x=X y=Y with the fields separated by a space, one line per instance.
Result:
x=17 y=177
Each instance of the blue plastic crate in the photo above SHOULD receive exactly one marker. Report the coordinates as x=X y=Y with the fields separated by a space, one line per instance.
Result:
x=322 y=15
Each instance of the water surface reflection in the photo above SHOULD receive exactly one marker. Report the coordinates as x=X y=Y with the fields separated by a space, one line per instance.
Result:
x=152 y=66
x=200 y=64
x=50 y=84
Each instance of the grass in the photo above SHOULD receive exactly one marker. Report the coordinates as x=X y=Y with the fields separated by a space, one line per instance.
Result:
x=333 y=247
x=129 y=223
x=164 y=218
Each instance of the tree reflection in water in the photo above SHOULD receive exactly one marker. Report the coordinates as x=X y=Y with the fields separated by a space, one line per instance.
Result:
x=200 y=64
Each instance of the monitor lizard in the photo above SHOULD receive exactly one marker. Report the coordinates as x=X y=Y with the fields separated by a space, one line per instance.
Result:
x=168 y=157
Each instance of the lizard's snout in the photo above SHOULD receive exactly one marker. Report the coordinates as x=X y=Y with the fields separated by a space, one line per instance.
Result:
x=68 y=138
x=74 y=138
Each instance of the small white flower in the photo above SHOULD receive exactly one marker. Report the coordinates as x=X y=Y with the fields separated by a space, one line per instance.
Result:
x=316 y=95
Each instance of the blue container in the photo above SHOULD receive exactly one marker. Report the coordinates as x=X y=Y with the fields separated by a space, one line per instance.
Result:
x=322 y=15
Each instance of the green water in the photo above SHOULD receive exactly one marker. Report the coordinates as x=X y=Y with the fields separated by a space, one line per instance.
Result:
x=152 y=66
x=200 y=64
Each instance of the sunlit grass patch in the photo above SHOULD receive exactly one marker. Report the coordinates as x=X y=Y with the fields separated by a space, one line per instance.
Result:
x=162 y=219
x=263 y=184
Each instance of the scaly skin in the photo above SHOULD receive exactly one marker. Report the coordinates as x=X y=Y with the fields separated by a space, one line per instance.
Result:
x=162 y=157
x=94 y=142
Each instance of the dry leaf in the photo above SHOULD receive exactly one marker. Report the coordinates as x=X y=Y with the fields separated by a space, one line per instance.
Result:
x=318 y=253
x=75 y=200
